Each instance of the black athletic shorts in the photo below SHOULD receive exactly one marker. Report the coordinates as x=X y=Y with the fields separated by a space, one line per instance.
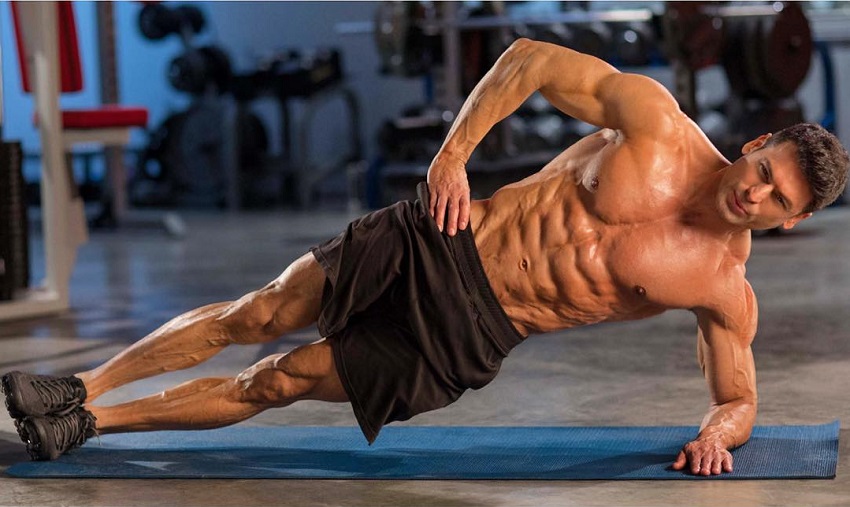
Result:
x=409 y=313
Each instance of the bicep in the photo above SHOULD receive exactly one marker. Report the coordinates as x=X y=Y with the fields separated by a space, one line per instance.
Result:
x=724 y=348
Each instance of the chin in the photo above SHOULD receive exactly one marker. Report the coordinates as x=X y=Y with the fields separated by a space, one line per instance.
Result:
x=727 y=214
x=730 y=216
x=766 y=227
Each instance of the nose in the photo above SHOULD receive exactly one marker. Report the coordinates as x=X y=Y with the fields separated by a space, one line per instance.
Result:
x=757 y=193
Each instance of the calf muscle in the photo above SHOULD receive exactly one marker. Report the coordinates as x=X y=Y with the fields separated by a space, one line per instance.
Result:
x=290 y=302
x=306 y=373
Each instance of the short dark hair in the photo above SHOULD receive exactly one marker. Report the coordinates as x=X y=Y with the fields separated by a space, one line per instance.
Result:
x=822 y=159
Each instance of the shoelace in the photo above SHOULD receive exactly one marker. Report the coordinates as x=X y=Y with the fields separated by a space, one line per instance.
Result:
x=56 y=393
x=70 y=431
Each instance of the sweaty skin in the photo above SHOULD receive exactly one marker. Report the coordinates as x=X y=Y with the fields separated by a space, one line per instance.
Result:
x=643 y=216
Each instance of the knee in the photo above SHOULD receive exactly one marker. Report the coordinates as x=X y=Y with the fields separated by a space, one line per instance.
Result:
x=248 y=320
x=271 y=388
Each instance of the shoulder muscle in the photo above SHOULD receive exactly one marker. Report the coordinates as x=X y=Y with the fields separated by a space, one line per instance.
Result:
x=640 y=105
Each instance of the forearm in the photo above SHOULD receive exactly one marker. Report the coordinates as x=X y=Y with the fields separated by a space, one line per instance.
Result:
x=567 y=78
x=499 y=93
x=729 y=423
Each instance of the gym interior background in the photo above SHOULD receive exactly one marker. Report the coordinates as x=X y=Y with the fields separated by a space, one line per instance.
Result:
x=271 y=124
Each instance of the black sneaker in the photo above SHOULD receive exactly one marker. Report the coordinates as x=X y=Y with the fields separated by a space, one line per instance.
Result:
x=49 y=437
x=39 y=395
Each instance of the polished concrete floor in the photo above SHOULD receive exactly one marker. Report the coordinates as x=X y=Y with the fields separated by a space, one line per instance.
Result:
x=129 y=281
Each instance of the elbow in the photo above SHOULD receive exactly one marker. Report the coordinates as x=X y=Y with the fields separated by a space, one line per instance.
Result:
x=525 y=49
x=524 y=60
x=521 y=43
x=525 y=44
x=521 y=50
x=518 y=49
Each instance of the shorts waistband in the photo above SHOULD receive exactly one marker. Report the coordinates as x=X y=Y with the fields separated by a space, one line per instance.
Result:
x=465 y=253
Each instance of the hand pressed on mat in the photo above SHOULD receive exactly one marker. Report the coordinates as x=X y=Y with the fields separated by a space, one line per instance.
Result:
x=705 y=457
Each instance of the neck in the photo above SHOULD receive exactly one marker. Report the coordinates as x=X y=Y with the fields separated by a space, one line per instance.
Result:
x=702 y=209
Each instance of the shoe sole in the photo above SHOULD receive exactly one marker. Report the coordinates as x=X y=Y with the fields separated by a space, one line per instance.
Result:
x=11 y=404
x=26 y=434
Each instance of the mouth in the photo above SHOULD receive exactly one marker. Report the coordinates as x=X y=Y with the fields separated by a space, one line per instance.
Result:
x=736 y=205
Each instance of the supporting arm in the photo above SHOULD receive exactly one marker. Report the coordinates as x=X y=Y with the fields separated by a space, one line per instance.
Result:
x=726 y=359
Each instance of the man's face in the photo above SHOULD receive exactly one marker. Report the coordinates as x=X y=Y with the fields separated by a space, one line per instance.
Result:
x=765 y=188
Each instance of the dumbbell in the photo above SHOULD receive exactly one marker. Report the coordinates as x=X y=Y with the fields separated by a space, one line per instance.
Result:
x=157 y=21
x=195 y=69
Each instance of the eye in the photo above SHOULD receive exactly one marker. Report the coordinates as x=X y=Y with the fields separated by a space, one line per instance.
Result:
x=780 y=200
x=763 y=171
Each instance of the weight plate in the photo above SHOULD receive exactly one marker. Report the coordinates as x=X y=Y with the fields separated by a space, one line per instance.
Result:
x=786 y=52
x=733 y=59
x=691 y=35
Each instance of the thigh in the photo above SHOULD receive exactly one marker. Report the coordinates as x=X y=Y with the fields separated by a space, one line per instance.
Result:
x=307 y=372
x=288 y=303
x=295 y=297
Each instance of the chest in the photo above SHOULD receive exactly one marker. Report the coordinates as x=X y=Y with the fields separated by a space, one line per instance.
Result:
x=619 y=191
x=660 y=266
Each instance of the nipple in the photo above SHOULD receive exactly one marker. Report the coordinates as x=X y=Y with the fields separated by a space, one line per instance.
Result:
x=640 y=291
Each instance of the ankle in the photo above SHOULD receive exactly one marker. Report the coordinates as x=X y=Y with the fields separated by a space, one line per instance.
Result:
x=89 y=385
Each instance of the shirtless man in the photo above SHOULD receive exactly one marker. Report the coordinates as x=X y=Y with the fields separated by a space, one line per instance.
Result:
x=641 y=217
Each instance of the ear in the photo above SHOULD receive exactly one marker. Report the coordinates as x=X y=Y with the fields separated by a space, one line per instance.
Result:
x=791 y=222
x=755 y=143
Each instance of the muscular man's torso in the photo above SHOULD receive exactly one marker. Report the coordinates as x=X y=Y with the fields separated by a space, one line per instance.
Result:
x=607 y=231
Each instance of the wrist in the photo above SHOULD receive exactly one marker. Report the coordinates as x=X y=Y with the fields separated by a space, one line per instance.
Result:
x=718 y=437
x=448 y=155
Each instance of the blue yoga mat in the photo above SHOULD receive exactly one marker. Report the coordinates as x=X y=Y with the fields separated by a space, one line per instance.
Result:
x=559 y=453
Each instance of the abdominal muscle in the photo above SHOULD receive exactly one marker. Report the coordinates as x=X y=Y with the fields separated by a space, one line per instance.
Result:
x=546 y=256
x=545 y=276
